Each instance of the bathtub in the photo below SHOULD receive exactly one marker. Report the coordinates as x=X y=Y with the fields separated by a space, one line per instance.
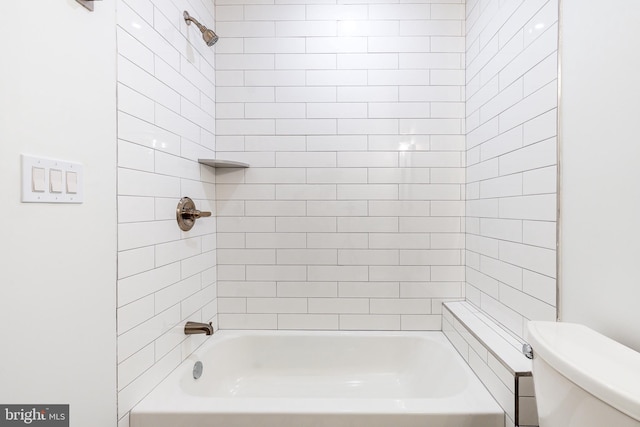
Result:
x=321 y=379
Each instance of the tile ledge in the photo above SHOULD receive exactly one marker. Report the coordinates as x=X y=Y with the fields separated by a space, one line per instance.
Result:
x=504 y=347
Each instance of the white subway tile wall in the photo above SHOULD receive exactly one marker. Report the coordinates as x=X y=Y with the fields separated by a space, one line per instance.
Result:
x=351 y=114
x=166 y=121
x=511 y=112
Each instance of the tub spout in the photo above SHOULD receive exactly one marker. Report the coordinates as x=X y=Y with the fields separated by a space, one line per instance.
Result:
x=198 y=328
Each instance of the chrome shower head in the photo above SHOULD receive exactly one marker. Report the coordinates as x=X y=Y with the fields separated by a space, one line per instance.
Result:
x=209 y=37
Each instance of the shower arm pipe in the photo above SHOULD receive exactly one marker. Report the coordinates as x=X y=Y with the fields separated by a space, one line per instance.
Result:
x=188 y=18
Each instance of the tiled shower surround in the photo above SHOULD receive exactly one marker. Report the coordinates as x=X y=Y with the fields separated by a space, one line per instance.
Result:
x=351 y=115
x=166 y=276
x=403 y=153
x=511 y=171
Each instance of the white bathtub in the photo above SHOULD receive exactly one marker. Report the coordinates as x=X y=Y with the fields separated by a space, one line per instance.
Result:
x=321 y=379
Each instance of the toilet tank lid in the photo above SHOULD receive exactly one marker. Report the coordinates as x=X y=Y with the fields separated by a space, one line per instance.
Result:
x=605 y=368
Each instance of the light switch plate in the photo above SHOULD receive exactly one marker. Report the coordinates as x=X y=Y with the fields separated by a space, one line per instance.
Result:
x=59 y=168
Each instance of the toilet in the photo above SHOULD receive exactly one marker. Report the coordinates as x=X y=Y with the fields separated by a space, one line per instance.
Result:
x=583 y=378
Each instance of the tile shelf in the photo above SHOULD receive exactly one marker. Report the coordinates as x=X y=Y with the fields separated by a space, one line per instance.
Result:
x=219 y=163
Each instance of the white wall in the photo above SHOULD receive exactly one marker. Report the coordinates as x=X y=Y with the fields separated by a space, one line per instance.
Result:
x=600 y=197
x=58 y=262
x=351 y=116
x=166 y=122
x=511 y=159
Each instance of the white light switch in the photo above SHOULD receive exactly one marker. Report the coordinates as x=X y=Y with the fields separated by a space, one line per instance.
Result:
x=55 y=180
x=37 y=179
x=72 y=182
x=51 y=181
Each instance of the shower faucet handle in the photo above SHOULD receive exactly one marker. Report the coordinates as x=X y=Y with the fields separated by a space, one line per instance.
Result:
x=195 y=213
x=186 y=214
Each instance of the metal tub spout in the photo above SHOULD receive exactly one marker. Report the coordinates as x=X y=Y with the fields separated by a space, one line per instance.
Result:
x=192 y=328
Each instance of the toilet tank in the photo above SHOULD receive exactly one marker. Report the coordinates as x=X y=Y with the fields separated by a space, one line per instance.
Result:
x=583 y=378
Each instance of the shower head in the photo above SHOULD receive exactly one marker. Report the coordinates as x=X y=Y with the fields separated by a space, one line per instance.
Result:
x=209 y=37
